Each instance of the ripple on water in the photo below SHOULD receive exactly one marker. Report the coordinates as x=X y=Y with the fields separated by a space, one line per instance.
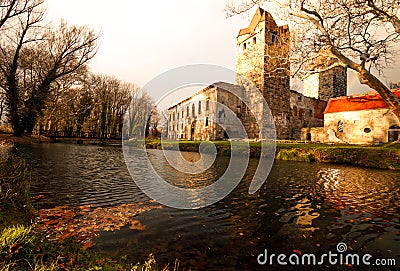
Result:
x=302 y=206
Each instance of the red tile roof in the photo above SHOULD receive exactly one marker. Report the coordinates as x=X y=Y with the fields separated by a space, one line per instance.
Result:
x=358 y=102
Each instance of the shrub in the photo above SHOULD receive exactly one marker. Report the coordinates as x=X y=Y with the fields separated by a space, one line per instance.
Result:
x=15 y=204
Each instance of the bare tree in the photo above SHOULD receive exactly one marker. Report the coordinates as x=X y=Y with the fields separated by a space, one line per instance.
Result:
x=2 y=104
x=153 y=124
x=57 y=113
x=10 y=9
x=394 y=85
x=358 y=34
x=111 y=99
x=33 y=57
x=140 y=108
x=87 y=104
x=233 y=8
x=13 y=43
x=387 y=11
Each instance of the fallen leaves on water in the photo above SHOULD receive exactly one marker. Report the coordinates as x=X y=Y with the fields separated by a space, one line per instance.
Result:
x=86 y=222
x=37 y=198
x=297 y=251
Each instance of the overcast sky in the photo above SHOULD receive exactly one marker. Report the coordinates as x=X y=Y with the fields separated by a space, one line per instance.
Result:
x=141 y=39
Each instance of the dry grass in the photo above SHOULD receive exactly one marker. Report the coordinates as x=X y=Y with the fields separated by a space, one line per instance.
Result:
x=9 y=139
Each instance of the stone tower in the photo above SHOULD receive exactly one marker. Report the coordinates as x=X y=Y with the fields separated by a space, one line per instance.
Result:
x=263 y=58
x=326 y=84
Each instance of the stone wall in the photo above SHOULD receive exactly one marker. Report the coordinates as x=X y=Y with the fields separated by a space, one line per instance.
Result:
x=229 y=115
x=314 y=134
x=194 y=118
x=360 y=127
x=356 y=127
x=210 y=114
x=306 y=112
x=327 y=84
x=262 y=57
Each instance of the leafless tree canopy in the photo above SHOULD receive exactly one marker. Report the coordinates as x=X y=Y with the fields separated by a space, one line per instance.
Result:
x=14 y=8
x=139 y=116
x=45 y=82
x=361 y=35
x=86 y=104
x=33 y=56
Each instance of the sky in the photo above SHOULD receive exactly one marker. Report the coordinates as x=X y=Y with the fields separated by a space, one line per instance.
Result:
x=142 y=39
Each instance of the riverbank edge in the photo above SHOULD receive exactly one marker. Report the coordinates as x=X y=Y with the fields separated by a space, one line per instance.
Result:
x=385 y=156
x=24 y=247
x=9 y=139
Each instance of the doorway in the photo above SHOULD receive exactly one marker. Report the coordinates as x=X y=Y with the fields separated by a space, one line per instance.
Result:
x=393 y=133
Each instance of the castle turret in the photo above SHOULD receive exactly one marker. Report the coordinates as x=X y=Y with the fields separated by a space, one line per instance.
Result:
x=263 y=58
x=322 y=83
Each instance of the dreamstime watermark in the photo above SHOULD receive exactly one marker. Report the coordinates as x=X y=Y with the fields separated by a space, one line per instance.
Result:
x=338 y=257
x=220 y=114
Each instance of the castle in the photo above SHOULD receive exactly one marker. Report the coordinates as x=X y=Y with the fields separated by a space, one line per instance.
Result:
x=263 y=59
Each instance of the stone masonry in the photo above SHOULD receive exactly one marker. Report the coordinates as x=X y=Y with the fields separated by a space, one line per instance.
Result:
x=198 y=117
x=262 y=61
x=327 y=84
x=263 y=58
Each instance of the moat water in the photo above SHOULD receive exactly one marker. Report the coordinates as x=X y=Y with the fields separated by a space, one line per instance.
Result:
x=302 y=208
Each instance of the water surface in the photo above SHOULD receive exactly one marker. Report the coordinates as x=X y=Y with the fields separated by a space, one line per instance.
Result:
x=303 y=207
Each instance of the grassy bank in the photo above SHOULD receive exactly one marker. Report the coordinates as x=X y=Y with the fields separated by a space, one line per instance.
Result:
x=385 y=156
x=15 y=203
x=9 y=139
x=24 y=247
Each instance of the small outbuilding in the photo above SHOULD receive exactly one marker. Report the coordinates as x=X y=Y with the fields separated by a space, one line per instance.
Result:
x=358 y=119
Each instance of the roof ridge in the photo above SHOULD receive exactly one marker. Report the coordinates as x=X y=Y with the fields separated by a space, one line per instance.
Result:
x=366 y=101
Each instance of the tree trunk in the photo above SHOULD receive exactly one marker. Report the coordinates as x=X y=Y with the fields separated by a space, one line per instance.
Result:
x=386 y=94
x=396 y=23
x=367 y=78
x=17 y=130
x=31 y=122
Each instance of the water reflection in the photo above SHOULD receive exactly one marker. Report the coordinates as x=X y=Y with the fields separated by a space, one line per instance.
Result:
x=184 y=179
x=368 y=207
x=305 y=207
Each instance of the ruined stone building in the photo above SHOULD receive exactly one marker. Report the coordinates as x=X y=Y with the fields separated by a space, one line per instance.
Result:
x=196 y=117
x=262 y=59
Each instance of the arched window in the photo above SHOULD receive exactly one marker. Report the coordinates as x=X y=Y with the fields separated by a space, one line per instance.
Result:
x=340 y=126
x=193 y=110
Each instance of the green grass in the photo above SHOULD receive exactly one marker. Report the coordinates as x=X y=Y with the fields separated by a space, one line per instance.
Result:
x=384 y=156
x=22 y=248
x=15 y=204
